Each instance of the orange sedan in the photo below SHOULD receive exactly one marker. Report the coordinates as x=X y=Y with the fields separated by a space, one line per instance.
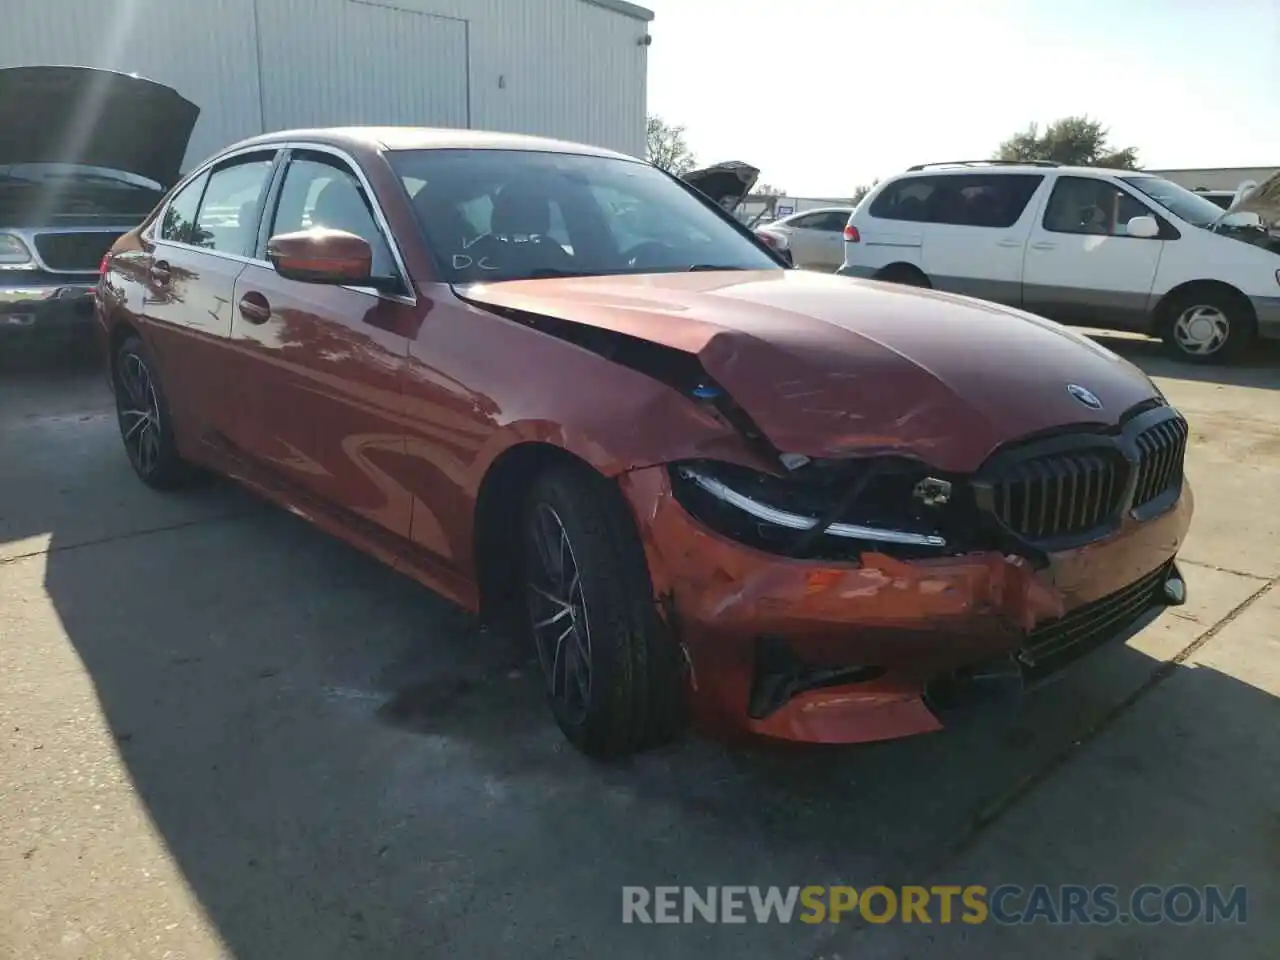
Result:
x=572 y=393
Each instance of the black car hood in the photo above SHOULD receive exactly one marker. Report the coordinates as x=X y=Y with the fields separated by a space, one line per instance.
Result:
x=727 y=183
x=98 y=118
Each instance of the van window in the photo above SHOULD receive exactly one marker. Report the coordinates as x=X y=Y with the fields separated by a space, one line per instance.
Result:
x=967 y=200
x=1090 y=206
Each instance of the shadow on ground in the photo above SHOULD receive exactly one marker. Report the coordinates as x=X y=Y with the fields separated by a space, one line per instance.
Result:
x=1261 y=369
x=343 y=766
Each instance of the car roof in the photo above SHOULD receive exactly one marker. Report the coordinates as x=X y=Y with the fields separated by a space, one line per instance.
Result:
x=972 y=168
x=836 y=208
x=425 y=138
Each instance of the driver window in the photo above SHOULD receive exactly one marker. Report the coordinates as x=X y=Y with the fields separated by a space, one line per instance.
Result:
x=319 y=191
x=1088 y=206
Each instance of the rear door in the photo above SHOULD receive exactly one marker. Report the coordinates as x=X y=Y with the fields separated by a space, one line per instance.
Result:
x=321 y=405
x=1081 y=265
x=977 y=230
x=197 y=250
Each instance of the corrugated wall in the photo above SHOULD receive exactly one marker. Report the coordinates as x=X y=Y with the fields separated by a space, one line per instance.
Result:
x=360 y=63
x=561 y=68
x=204 y=49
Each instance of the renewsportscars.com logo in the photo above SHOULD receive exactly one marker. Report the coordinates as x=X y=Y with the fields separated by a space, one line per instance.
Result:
x=973 y=904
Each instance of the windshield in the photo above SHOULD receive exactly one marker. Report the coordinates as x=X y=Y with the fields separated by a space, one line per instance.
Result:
x=491 y=215
x=1179 y=201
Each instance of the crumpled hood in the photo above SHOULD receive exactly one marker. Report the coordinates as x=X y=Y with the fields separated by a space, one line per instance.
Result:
x=828 y=365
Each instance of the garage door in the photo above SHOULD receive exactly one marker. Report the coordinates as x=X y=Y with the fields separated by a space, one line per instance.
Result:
x=360 y=63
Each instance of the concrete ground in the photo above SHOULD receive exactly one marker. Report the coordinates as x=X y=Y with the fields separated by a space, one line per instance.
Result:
x=225 y=735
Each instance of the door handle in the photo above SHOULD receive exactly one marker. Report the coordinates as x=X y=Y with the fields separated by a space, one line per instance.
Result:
x=1044 y=245
x=160 y=271
x=254 y=308
x=1009 y=243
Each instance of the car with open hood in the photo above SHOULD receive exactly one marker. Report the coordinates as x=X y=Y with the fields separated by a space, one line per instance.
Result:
x=572 y=393
x=728 y=184
x=85 y=155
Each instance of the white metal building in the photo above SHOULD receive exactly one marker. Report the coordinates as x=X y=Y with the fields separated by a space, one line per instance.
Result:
x=574 y=69
x=1217 y=178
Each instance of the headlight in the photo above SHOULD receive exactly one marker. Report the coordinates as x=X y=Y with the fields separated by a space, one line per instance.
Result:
x=13 y=252
x=829 y=510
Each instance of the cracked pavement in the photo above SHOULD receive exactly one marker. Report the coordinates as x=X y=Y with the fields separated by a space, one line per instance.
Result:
x=224 y=734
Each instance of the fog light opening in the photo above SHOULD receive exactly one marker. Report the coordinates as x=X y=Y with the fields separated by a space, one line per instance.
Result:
x=781 y=675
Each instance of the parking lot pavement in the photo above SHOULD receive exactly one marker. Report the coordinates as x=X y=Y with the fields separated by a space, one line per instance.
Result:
x=228 y=735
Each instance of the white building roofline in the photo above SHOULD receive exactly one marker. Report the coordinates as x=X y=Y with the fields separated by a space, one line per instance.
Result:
x=624 y=8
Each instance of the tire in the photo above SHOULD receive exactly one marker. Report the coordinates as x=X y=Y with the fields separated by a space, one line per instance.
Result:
x=146 y=427
x=1216 y=326
x=632 y=695
x=904 y=275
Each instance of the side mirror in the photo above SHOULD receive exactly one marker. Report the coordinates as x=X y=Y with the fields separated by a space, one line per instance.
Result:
x=1145 y=228
x=320 y=255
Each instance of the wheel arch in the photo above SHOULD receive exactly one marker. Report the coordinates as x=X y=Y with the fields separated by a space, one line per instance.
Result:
x=892 y=272
x=498 y=505
x=1162 y=314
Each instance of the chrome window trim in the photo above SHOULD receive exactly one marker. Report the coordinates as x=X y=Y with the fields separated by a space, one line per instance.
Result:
x=278 y=147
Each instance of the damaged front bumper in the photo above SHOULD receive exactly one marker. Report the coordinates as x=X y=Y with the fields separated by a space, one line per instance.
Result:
x=882 y=647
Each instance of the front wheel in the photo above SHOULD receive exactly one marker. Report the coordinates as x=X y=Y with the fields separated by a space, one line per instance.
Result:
x=610 y=667
x=1209 y=328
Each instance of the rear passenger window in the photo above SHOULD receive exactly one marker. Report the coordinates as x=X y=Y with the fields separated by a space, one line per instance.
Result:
x=967 y=200
x=833 y=221
x=229 y=212
x=179 y=222
x=1086 y=205
x=810 y=221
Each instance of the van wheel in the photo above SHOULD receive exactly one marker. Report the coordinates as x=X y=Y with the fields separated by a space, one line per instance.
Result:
x=611 y=668
x=1214 y=326
x=904 y=274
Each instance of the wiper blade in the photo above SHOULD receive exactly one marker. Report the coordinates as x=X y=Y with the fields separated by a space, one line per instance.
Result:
x=549 y=273
x=702 y=267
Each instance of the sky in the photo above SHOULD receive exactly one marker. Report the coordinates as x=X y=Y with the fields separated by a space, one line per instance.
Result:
x=824 y=95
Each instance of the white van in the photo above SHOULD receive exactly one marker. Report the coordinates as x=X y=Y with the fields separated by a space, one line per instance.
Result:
x=1081 y=245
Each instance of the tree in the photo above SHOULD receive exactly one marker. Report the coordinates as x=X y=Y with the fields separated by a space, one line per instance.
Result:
x=1073 y=141
x=666 y=147
x=768 y=190
x=861 y=190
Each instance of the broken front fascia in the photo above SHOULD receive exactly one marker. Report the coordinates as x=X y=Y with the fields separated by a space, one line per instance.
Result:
x=911 y=620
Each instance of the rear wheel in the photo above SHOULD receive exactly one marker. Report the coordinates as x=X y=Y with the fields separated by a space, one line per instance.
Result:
x=143 y=414
x=1214 y=326
x=611 y=668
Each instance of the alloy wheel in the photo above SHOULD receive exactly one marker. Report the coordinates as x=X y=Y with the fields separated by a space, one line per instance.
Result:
x=138 y=409
x=1201 y=330
x=558 y=612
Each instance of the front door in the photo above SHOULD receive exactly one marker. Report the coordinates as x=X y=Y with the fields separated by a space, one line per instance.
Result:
x=320 y=403
x=1081 y=265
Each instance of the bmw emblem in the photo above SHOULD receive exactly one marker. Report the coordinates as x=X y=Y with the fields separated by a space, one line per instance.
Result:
x=1087 y=397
